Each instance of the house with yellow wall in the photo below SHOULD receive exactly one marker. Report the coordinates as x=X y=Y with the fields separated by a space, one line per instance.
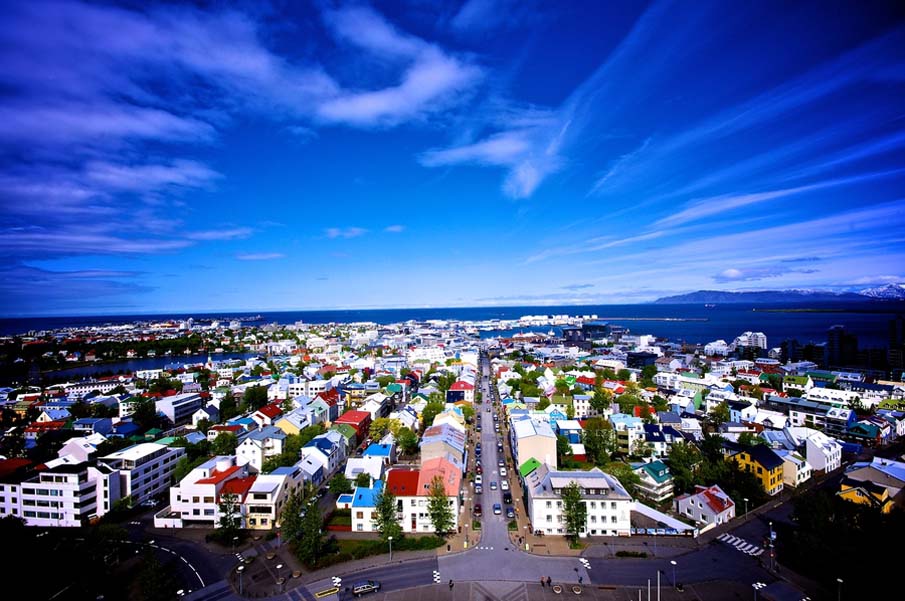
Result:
x=866 y=493
x=761 y=461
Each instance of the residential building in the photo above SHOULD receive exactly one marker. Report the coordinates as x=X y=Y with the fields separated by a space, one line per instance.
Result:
x=530 y=438
x=656 y=481
x=761 y=461
x=708 y=506
x=866 y=493
x=196 y=499
x=145 y=469
x=260 y=445
x=795 y=468
x=608 y=504
x=179 y=408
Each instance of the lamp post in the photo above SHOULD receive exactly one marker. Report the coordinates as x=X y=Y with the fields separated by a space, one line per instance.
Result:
x=240 y=569
x=746 y=506
x=658 y=584
x=673 y=564
x=757 y=586
x=390 y=540
x=839 y=589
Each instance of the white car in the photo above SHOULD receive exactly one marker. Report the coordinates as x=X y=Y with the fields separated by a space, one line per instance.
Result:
x=504 y=485
x=503 y=472
x=478 y=480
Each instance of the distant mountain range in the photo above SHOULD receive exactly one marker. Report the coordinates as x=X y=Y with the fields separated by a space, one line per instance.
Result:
x=887 y=292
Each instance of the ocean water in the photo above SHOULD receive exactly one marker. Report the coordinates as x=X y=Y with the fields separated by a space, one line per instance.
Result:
x=868 y=321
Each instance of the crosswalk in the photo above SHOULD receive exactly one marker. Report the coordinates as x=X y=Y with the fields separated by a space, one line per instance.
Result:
x=740 y=544
x=585 y=563
x=484 y=548
x=337 y=581
x=436 y=576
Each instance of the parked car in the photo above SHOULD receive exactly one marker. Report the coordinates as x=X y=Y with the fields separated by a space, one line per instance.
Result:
x=478 y=479
x=507 y=498
x=497 y=509
x=364 y=587
x=503 y=472
x=478 y=489
x=477 y=510
x=479 y=469
x=510 y=513
x=504 y=485
x=500 y=463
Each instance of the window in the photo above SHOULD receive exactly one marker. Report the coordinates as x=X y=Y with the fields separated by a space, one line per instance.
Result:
x=549 y=504
x=613 y=505
x=360 y=515
x=612 y=519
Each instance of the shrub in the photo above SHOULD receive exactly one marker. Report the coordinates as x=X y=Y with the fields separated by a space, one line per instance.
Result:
x=640 y=554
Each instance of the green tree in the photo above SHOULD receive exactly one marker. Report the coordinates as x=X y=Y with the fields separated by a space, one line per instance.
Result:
x=339 y=484
x=145 y=413
x=623 y=472
x=750 y=439
x=601 y=400
x=310 y=540
x=561 y=386
x=683 y=459
x=623 y=375
x=225 y=444
x=385 y=516
x=430 y=412
x=563 y=450
x=720 y=414
x=254 y=398
x=468 y=412
x=363 y=480
x=156 y=581
x=383 y=425
x=599 y=440
x=291 y=518
x=543 y=404
x=228 y=407
x=204 y=425
x=230 y=518
x=407 y=441
x=647 y=375
x=438 y=508
x=574 y=510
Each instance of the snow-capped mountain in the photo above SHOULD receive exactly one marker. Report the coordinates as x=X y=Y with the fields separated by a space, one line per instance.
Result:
x=889 y=291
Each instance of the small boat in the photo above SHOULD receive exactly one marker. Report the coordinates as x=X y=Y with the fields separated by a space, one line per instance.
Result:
x=709 y=306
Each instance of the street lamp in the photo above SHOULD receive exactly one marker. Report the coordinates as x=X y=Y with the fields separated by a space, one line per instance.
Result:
x=673 y=564
x=240 y=569
x=839 y=589
x=746 y=506
x=757 y=586
x=390 y=540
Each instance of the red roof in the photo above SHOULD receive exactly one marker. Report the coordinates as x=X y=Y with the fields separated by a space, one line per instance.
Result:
x=40 y=426
x=650 y=410
x=586 y=380
x=353 y=417
x=461 y=385
x=273 y=410
x=403 y=483
x=218 y=477
x=331 y=397
x=11 y=466
x=225 y=428
x=238 y=487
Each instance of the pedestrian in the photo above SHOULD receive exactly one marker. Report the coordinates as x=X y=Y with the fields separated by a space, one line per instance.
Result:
x=580 y=579
x=542 y=581
x=549 y=581
x=450 y=584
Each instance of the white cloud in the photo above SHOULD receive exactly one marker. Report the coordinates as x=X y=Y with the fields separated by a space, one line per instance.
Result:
x=394 y=229
x=345 y=232
x=224 y=234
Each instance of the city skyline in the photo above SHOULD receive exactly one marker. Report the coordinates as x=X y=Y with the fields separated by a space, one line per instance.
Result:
x=344 y=155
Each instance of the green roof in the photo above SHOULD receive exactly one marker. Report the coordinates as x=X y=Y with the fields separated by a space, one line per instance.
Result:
x=800 y=380
x=394 y=387
x=561 y=399
x=698 y=399
x=167 y=441
x=344 y=429
x=529 y=466
x=657 y=470
x=570 y=380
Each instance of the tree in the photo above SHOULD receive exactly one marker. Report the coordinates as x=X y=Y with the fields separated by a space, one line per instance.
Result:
x=383 y=425
x=575 y=512
x=385 y=516
x=720 y=414
x=80 y=409
x=228 y=408
x=225 y=444
x=156 y=581
x=430 y=412
x=407 y=440
x=204 y=425
x=468 y=412
x=749 y=439
x=640 y=448
x=601 y=400
x=563 y=449
x=230 y=518
x=623 y=472
x=310 y=540
x=599 y=440
x=363 y=480
x=561 y=386
x=255 y=397
x=683 y=459
x=291 y=518
x=623 y=375
x=339 y=484
x=438 y=508
x=145 y=413
x=543 y=404
x=647 y=375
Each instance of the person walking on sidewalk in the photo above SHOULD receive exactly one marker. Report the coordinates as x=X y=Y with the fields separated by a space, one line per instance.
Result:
x=542 y=581
x=450 y=584
x=549 y=581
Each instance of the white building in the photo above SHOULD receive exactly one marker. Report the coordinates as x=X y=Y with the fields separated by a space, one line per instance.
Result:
x=717 y=347
x=196 y=499
x=145 y=469
x=824 y=454
x=708 y=506
x=608 y=504
x=67 y=494
x=180 y=407
x=529 y=438
x=259 y=446
x=795 y=469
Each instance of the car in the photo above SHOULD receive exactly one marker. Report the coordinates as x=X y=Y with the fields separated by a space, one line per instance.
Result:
x=478 y=489
x=493 y=485
x=503 y=472
x=488 y=410
x=479 y=479
x=496 y=417
x=507 y=498
x=497 y=509
x=500 y=463
x=364 y=587
x=477 y=510
x=478 y=428
x=510 y=513
x=504 y=485
x=479 y=469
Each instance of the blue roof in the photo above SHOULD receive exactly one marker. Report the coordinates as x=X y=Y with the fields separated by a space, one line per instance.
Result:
x=346 y=498
x=366 y=497
x=378 y=450
x=321 y=442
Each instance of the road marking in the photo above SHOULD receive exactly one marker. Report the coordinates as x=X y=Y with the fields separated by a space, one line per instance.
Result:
x=585 y=563
x=337 y=581
x=327 y=592
x=740 y=544
x=436 y=576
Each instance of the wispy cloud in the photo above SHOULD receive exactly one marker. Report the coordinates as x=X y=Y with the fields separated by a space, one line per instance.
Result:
x=345 y=232
x=259 y=256
x=433 y=78
x=577 y=286
x=749 y=274
x=394 y=229
x=235 y=233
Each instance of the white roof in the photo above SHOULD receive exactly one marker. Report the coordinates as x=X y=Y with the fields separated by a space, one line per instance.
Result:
x=137 y=451
x=528 y=427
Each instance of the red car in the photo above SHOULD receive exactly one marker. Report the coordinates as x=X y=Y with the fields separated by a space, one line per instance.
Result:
x=477 y=509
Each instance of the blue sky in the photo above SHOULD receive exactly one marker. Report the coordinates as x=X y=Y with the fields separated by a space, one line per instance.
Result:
x=290 y=155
